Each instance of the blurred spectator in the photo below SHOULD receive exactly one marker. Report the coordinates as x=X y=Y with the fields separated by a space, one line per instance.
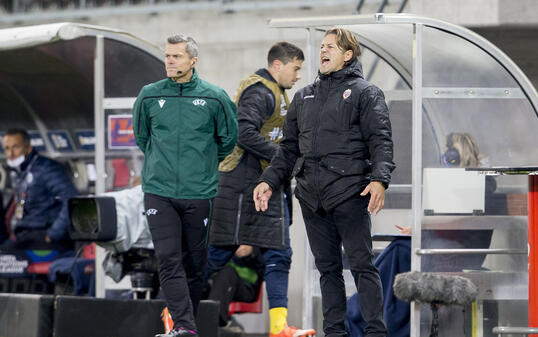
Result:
x=2 y=216
x=239 y=280
x=38 y=214
x=461 y=151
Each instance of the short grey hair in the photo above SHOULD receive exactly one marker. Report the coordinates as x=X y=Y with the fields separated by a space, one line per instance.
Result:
x=192 y=47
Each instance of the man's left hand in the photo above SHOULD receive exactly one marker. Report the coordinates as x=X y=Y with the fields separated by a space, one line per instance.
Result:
x=377 y=196
x=47 y=239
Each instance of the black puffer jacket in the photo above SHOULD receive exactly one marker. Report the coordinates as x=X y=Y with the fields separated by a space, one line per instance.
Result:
x=337 y=138
x=234 y=219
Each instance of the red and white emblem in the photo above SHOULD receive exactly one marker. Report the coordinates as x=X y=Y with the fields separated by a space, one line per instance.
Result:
x=346 y=93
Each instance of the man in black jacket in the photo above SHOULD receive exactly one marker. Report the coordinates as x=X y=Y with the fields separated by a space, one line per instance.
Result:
x=338 y=145
x=262 y=105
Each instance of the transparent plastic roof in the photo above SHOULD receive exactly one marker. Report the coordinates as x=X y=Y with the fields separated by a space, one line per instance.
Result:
x=468 y=85
x=47 y=74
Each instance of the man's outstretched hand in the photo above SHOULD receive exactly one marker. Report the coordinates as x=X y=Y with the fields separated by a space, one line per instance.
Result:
x=262 y=194
x=377 y=196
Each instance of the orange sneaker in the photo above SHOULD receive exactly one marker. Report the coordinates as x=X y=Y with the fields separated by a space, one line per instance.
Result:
x=291 y=331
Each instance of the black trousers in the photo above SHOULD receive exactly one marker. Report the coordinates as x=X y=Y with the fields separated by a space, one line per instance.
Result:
x=348 y=224
x=227 y=287
x=179 y=229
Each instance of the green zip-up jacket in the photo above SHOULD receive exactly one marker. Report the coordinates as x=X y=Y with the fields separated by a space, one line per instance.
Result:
x=184 y=130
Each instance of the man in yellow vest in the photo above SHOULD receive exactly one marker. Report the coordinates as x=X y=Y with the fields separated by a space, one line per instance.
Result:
x=262 y=105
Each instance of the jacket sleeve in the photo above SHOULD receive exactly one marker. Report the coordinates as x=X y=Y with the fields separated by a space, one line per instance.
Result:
x=377 y=132
x=61 y=187
x=255 y=106
x=141 y=126
x=226 y=126
x=283 y=162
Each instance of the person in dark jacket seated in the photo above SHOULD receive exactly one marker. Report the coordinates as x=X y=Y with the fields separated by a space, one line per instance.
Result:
x=338 y=145
x=240 y=280
x=41 y=192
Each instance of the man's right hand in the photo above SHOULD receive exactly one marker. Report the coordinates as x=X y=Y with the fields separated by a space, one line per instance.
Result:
x=244 y=251
x=262 y=194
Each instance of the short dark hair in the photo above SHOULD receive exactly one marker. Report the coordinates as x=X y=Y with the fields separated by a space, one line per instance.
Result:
x=24 y=134
x=191 y=47
x=284 y=52
x=346 y=40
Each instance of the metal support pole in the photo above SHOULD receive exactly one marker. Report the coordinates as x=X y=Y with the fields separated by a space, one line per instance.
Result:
x=359 y=7
x=308 y=290
x=533 y=249
x=99 y=126
x=381 y=8
x=416 y=163
x=312 y=56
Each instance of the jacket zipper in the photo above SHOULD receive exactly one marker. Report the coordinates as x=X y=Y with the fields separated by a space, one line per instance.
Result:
x=284 y=223
x=314 y=147
x=236 y=231
x=178 y=139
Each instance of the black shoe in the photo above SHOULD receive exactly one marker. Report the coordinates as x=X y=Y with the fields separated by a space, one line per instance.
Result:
x=178 y=332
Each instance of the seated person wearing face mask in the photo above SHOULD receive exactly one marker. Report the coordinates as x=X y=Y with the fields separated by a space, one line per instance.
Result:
x=41 y=189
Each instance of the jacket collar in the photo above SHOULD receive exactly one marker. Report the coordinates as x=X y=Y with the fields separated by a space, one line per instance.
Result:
x=191 y=84
x=350 y=71
x=27 y=160
x=265 y=74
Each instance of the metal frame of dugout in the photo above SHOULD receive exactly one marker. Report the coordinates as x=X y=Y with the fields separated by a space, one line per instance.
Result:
x=439 y=78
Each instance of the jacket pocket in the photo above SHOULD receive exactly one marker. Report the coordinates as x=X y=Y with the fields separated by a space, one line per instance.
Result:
x=346 y=167
x=298 y=167
x=345 y=111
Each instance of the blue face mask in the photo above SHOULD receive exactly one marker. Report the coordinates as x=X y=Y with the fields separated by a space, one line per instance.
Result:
x=451 y=158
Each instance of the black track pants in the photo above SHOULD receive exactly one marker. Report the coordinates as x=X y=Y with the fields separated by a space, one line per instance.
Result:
x=347 y=224
x=179 y=229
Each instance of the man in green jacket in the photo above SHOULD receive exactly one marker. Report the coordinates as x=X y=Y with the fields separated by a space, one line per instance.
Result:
x=185 y=126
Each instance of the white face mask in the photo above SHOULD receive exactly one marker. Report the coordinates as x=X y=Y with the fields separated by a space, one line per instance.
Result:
x=14 y=163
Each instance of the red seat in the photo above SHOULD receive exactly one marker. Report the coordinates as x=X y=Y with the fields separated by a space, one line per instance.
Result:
x=255 y=307
x=121 y=172
x=88 y=251
x=39 y=268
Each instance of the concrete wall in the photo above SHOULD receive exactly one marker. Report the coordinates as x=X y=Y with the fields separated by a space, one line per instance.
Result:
x=231 y=45
x=478 y=12
x=520 y=43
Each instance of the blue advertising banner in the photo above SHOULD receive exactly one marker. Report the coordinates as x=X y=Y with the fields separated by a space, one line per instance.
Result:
x=60 y=140
x=85 y=139
x=37 y=142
